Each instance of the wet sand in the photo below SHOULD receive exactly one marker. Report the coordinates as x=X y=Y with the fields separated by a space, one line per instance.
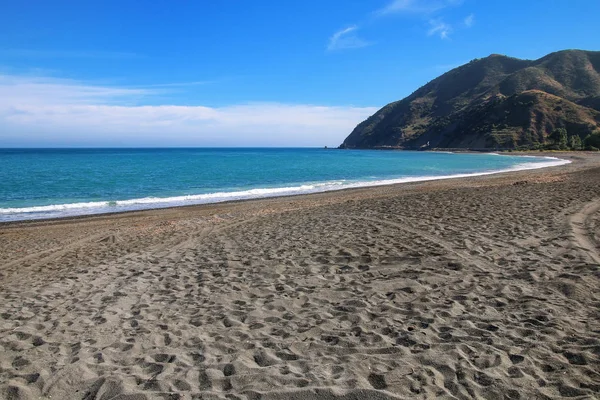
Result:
x=484 y=287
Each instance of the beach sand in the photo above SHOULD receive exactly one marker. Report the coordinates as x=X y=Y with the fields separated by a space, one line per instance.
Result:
x=485 y=287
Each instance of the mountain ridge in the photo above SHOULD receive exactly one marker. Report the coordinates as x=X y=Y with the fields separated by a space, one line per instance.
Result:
x=496 y=102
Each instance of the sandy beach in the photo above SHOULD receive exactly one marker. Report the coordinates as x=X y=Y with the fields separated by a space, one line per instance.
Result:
x=484 y=287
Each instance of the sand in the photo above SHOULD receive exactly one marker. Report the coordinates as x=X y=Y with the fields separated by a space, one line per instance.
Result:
x=485 y=287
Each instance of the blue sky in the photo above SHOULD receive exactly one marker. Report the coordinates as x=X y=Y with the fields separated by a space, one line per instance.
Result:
x=224 y=73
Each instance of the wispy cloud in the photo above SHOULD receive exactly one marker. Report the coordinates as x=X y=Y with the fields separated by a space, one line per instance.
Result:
x=427 y=10
x=439 y=27
x=65 y=112
x=346 y=39
x=469 y=20
x=16 y=90
x=35 y=53
x=410 y=6
x=416 y=6
x=176 y=84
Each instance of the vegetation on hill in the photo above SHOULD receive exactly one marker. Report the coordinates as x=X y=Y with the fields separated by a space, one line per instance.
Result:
x=496 y=102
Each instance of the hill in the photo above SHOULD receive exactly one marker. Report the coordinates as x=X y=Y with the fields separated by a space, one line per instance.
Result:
x=496 y=102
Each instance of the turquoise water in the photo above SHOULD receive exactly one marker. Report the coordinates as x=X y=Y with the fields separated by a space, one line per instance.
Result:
x=48 y=183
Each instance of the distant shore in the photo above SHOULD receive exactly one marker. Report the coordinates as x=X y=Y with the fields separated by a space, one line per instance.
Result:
x=483 y=286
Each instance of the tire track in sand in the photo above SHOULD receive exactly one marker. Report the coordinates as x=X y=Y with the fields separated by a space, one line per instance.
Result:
x=579 y=224
x=482 y=264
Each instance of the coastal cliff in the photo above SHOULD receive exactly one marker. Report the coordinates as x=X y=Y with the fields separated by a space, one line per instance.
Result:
x=496 y=102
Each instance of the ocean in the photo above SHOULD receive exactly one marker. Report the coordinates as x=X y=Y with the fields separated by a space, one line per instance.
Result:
x=50 y=183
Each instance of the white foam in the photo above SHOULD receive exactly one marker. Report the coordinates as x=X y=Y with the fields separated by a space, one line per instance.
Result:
x=86 y=208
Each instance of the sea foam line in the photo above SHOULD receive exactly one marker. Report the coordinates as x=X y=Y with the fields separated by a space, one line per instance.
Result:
x=96 y=207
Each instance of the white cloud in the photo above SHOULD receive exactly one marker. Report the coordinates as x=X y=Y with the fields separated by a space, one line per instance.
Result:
x=52 y=112
x=469 y=20
x=416 y=6
x=177 y=84
x=35 y=53
x=346 y=39
x=396 y=6
x=424 y=9
x=439 y=27
x=15 y=90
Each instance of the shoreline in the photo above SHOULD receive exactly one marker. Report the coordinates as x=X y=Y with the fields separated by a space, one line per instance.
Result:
x=471 y=287
x=198 y=200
